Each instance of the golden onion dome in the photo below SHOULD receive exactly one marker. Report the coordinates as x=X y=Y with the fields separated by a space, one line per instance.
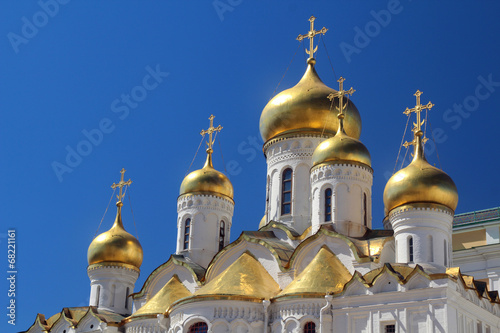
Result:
x=305 y=108
x=341 y=148
x=207 y=180
x=115 y=245
x=420 y=182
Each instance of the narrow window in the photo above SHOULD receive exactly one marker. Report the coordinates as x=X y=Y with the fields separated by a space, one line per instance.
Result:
x=221 y=235
x=187 y=229
x=390 y=328
x=431 y=249
x=112 y=301
x=410 y=249
x=328 y=204
x=126 y=298
x=286 y=192
x=479 y=327
x=310 y=327
x=199 y=327
x=445 y=252
x=98 y=294
x=365 y=212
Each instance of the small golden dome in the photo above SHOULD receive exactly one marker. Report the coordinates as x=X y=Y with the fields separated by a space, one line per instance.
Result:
x=420 y=182
x=306 y=108
x=341 y=148
x=115 y=245
x=207 y=180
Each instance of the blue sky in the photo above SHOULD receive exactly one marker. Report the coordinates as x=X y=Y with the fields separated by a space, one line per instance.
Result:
x=66 y=72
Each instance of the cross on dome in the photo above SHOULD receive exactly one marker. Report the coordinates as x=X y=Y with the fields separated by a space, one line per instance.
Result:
x=340 y=95
x=417 y=129
x=311 y=34
x=121 y=184
x=210 y=131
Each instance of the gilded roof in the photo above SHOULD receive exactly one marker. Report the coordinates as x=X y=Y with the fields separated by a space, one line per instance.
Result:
x=172 y=291
x=325 y=274
x=245 y=277
x=196 y=270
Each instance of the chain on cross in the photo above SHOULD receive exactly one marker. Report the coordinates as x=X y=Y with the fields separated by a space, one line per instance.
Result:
x=210 y=131
x=311 y=35
x=121 y=184
x=417 y=129
x=340 y=95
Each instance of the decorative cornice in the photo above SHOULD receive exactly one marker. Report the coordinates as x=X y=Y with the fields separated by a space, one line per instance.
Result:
x=318 y=172
x=112 y=264
x=214 y=202
x=294 y=136
x=421 y=206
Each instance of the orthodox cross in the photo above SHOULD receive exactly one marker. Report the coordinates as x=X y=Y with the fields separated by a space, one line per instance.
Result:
x=210 y=131
x=417 y=129
x=311 y=35
x=340 y=95
x=121 y=184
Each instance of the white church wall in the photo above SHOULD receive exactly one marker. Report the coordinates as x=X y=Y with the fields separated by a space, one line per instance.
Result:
x=481 y=262
x=110 y=286
x=294 y=153
x=205 y=213
x=429 y=229
x=220 y=316
x=349 y=183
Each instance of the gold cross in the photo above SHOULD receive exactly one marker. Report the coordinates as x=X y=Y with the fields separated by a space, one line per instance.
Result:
x=209 y=131
x=340 y=94
x=121 y=184
x=311 y=35
x=417 y=129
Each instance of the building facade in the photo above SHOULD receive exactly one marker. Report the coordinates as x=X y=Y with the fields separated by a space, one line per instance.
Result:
x=315 y=264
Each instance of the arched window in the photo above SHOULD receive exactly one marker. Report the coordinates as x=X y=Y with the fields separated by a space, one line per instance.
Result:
x=410 y=249
x=286 y=192
x=431 y=249
x=445 y=252
x=112 y=296
x=221 y=234
x=365 y=211
x=310 y=327
x=199 y=327
x=328 y=204
x=126 y=297
x=98 y=293
x=187 y=230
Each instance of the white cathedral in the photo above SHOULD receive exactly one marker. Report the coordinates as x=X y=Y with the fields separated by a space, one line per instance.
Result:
x=315 y=264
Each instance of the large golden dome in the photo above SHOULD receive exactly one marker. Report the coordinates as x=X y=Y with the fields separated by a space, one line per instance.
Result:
x=305 y=108
x=207 y=180
x=341 y=148
x=420 y=182
x=115 y=245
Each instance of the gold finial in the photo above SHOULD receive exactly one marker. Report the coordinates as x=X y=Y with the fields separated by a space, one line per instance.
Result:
x=120 y=185
x=210 y=131
x=340 y=95
x=417 y=129
x=311 y=35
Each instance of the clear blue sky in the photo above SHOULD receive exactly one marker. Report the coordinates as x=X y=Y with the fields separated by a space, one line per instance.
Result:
x=63 y=74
